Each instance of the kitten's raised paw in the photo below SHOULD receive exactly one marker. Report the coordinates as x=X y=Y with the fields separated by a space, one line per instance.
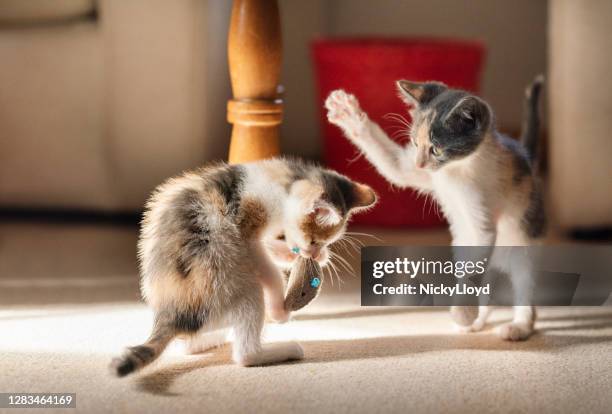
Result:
x=515 y=331
x=343 y=110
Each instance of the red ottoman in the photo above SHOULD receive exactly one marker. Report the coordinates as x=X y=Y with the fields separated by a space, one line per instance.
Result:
x=369 y=68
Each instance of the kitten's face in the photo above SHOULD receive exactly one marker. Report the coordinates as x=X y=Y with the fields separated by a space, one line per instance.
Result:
x=447 y=124
x=318 y=211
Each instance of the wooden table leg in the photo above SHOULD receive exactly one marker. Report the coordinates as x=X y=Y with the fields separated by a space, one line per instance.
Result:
x=255 y=53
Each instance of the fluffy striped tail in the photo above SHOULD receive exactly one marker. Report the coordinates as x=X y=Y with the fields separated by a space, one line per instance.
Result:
x=137 y=357
x=531 y=118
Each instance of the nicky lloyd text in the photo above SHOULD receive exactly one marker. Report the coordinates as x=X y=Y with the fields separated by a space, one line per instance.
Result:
x=431 y=289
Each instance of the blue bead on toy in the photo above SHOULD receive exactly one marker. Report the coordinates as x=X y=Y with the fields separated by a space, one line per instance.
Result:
x=295 y=250
x=315 y=282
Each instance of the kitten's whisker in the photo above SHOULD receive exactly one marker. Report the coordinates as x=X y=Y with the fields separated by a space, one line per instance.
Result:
x=356 y=240
x=356 y=233
x=353 y=245
x=397 y=128
x=340 y=281
x=400 y=132
x=397 y=134
x=424 y=207
x=355 y=158
x=342 y=244
x=345 y=264
x=333 y=267
x=402 y=123
x=341 y=262
x=350 y=243
x=328 y=268
x=398 y=118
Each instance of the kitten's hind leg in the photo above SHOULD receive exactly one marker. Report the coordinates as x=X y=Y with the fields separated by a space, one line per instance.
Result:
x=481 y=320
x=247 y=350
x=136 y=357
x=473 y=318
x=521 y=326
x=521 y=272
x=205 y=341
x=478 y=323
x=464 y=316
x=483 y=312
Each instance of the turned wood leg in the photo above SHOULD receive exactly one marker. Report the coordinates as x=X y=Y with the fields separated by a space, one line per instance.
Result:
x=255 y=53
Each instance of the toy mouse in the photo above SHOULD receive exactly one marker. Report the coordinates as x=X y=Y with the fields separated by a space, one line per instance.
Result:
x=304 y=283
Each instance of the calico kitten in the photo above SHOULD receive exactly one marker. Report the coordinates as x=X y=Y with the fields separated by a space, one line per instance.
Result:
x=205 y=258
x=484 y=182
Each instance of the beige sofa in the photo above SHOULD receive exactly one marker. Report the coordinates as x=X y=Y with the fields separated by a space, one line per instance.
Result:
x=101 y=100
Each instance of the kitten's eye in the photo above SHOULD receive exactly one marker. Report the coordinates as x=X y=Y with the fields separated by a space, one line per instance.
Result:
x=312 y=242
x=435 y=151
x=281 y=237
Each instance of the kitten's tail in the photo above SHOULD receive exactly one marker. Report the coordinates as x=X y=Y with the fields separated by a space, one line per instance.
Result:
x=136 y=357
x=531 y=117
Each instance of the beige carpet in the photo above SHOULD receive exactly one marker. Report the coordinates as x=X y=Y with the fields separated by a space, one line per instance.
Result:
x=68 y=304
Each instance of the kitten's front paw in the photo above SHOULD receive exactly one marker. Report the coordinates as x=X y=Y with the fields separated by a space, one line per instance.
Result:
x=343 y=110
x=515 y=331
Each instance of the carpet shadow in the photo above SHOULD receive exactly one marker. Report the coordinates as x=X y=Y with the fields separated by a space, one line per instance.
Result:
x=400 y=346
x=160 y=381
x=575 y=322
x=595 y=321
x=592 y=316
x=357 y=313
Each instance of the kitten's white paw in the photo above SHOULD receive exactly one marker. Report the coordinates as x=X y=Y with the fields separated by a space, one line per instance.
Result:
x=461 y=329
x=515 y=331
x=464 y=315
x=294 y=351
x=272 y=353
x=477 y=326
x=343 y=110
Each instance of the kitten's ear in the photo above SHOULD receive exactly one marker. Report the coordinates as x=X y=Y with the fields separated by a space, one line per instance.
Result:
x=363 y=197
x=325 y=214
x=419 y=93
x=470 y=113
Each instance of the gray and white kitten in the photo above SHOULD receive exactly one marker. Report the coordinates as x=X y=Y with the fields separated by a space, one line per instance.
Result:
x=484 y=182
x=209 y=250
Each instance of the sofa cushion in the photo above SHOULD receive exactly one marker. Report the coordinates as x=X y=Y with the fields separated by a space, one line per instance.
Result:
x=43 y=11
